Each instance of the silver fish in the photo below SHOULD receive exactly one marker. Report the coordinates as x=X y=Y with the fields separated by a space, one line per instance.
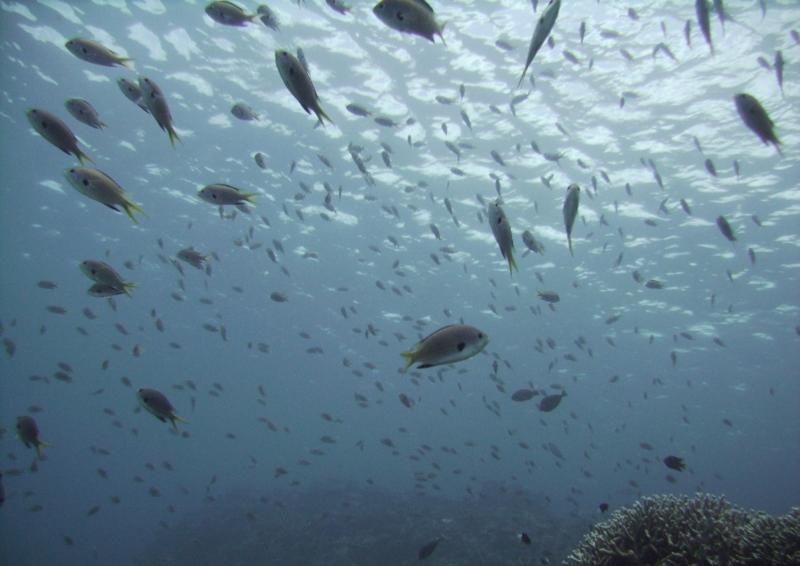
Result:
x=543 y=28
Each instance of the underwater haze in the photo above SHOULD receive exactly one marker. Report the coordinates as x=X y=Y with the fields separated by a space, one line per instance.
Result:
x=324 y=403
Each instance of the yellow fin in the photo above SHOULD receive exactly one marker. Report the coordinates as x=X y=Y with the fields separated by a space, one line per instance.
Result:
x=130 y=207
x=173 y=135
x=410 y=358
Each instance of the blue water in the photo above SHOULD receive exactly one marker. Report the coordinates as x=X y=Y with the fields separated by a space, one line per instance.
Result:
x=730 y=412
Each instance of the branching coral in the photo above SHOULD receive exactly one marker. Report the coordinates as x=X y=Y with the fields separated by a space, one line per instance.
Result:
x=670 y=531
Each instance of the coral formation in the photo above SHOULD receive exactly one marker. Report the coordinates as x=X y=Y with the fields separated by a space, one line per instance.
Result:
x=673 y=530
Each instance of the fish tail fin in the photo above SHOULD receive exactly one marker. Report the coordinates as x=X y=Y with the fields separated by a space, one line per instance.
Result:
x=569 y=242
x=82 y=156
x=409 y=358
x=130 y=207
x=440 y=33
x=39 y=445
x=250 y=197
x=512 y=263
x=126 y=62
x=127 y=286
x=173 y=135
x=522 y=77
x=321 y=114
x=175 y=419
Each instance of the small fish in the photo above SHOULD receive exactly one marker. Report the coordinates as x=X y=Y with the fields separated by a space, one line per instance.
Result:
x=94 y=52
x=159 y=406
x=132 y=92
x=229 y=14
x=550 y=402
x=222 y=194
x=84 y=112
x=358 y=110
x=543 y=28
x=524 y=538
x=261 y=160
x=603 y=507
x=242 y=111
x=779 y=63
x=338 y=6
x=449 y=344
x=703 y=21
x=51 y=128
x=549 y=296
x=153 y=97
x=756 y=118
x=268 y=17
x=570 y=211
x=532 y=243
x=28 y=433
x=522 y=395
x=101 y=272
x=414 y=17
x=297 y=80
x=98 y=186
x=102 y=290
x=502 y=233
x=428 y=549
x=725 y=228
x=674 y=463
x=193 y=258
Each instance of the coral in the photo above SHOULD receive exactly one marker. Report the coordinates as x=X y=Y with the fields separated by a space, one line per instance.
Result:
x=675 y=530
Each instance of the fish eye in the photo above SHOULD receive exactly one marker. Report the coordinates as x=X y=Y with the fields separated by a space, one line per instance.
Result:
x=480 y=334
x=72 y=170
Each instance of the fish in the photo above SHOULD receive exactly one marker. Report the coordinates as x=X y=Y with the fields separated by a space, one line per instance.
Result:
x=502 y=233
x=756 y=118
x=674 y=463
x=415 y=17
x=358 y=110
x=603 y=507
x=543 y=28
x=570 y=211
x=725 y=228
x=101 y=272
x=132 y=92
x=242 y=111
x=193 y=257
x=100 y=187
x=447 y=345
x=703 y=21
x=51 y=128
x=524 y=538
x=222 y=194
x=268 y=17
x=549 y=296
x=550 y=402
x=229 y=14
x=521 y=395
x=427 y=549
x=532 y=243
x=94 y=52
x=779 y=63
x=84 y=112
x=260 y=159
x=157 y=404
x=28 y=433
x=297 y=80
x=103 y=290
x=338 y=6
x=153 y=97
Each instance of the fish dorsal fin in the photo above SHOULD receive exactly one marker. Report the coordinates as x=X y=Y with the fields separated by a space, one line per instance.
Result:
x=302 y=58
x=424 y=4
x=108 y=178
x=435 y=332
x=227 y=186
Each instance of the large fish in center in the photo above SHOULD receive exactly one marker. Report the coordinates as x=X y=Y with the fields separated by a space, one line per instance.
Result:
x=447 y=345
